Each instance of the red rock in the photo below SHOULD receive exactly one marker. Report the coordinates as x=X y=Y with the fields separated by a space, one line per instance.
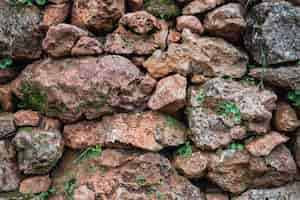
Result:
x=61 y=38
x=194 y=166
x=35 y=184
x=262 y=146
x=84 y=193
x=285 y=118
x=97 y=15
x=170 y=94
x=87 y=46
x=173 y=36
x=149 y=130
x=226 y=21
x=216 y=196
x=6 y=98
x=189 y=22
x=55 y=14
x=199 y=6
x=27 y=118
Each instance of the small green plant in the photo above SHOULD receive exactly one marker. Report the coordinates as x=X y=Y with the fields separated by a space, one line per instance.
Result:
x=68 y=190
x=45 y=195
x=185 y=150
x=5 y=63
x=227 y=108
x=28 y=2
x=248 y=81
x=294 y=96
x=201 y=97
x=139 y=179
x=171 y=121
x=91 y=170
x=236 y=146
x=89 y=153
x=33 y=97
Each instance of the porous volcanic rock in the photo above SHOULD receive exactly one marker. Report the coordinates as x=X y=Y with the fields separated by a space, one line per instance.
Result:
x=211 y=129
x=150 y=130
x=208 y=56
x=87 y=46
x=139 y=176
x=97 y=15
x=38 y=150
x=273 y=32
x=86 y=86
x=19 y=35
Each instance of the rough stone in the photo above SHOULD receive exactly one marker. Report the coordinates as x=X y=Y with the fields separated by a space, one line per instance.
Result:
x=173 y=37
x=262 y=146
x=273 y=33
x=87 y=86
x=285 y=118
x=38 y=150
x=208 y=56
x=27 y=118
x=6 y=98
x=138 y=33
x=170 y=94
x=7 y=125
x=87 y=46
x=211 y=129
x=97 y=15
x=296 y=148
x=9 y=175
x=83 y=193
x=7 y=75
x=226 y=21
x=189 y=22
x=199 y=6
x=163 y=9
x=151 y=131
x=286 y=77
x=144 y=176
x=35 y=184
x=55 y=14
x=19 y=37
x=61 y=38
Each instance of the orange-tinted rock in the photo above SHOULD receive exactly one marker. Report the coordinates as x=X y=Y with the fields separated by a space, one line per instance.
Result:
x=189 y=22
x=35 y=184
x=170 y=94
x=151 y=131
x=27 y=118
x=55 y=14
x=285 y=118
x=262 y=146
x=173 y=36
x=87 y=46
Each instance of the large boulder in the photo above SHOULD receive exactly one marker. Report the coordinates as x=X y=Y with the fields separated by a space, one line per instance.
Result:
x=97 y=15
x=138 y=33
x=273 y=32
x=151 y=131
x=9 y=174
x=88 y=86
x=290 y=192
x=119 y=174
x=38 y=150
x=19 y=35
x=247 y=108
x=208 y=56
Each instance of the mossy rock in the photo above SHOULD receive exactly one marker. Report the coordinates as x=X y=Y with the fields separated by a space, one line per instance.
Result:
x=164 y=9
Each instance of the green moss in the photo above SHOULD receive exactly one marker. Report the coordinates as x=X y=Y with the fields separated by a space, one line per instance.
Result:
x=165 y=9
x=33 y=97
x=185 y=150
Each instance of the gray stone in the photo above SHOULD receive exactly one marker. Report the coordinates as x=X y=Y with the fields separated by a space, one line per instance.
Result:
x=7 y=125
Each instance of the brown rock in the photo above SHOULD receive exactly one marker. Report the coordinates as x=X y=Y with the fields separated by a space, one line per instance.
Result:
x=97 y=15
x=216 y=196
x=198 y=55
x=145 y=176
x=199 y=6
x=173 y=37
x=285 y=118
x=138 y=33
x=61 y=38
x=87 y=46
x=7 y=75
x=262 y=146
x=55 y=14
x=189 y=22
x=170 y=94
x=6 y=98
x=151 y=131
x=35 y=184
x=19 y=37
x=83 y=193
x=194 y=166
x=7 y=125
x=135 y=5
x=226 y=21
x=9 y=174
x=86 y=86
x=27 y=118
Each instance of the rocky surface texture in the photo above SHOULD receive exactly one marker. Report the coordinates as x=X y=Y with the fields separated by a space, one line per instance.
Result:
x=149 y=100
